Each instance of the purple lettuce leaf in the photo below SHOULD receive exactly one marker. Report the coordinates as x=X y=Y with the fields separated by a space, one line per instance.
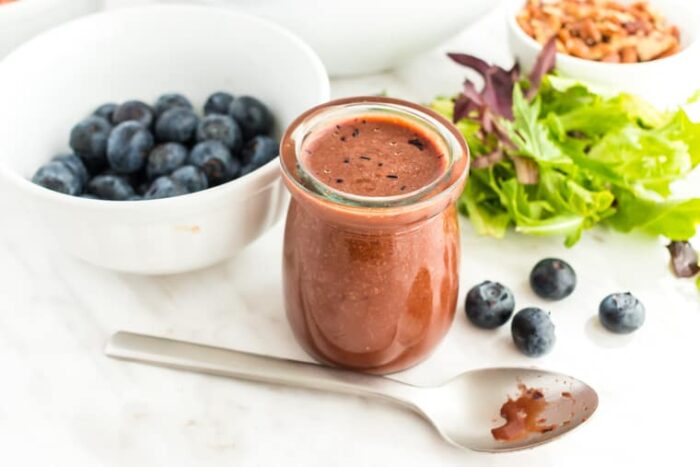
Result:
x=494 y=104
x=544 y=64
x=469 y=100
x=470 y=61
x=684 y=259
x=497 y=94
x=487 y=160
x=498 y=90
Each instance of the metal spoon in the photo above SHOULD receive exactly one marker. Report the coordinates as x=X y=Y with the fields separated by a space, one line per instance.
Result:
x=463 y=410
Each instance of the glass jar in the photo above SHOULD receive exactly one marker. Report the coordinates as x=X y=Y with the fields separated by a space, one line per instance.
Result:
x=370 y=283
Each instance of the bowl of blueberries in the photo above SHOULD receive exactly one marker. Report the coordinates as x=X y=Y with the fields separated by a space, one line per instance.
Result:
x=146 y=139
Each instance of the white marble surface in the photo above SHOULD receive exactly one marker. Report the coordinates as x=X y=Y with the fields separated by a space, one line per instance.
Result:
x=63 y=403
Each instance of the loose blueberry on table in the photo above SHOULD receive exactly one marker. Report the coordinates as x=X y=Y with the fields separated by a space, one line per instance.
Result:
x=533 y=331
x=489 y=305
x=553 y=279
x=621 y=313
x=133 y=151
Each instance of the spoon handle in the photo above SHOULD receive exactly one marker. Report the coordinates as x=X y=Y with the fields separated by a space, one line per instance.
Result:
x=218 y=361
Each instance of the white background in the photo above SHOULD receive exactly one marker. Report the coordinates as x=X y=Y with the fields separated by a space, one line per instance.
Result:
x=63 y=403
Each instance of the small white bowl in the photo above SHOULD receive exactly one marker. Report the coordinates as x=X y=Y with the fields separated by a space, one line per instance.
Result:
x=368 y=36
x=50 y=83
x=666 y=81
x=24 y=19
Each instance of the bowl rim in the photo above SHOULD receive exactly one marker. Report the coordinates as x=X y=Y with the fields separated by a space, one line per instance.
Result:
x=516 y=5
x=259 y=178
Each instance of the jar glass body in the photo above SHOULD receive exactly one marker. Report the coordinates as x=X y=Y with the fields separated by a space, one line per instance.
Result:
x=371 y=284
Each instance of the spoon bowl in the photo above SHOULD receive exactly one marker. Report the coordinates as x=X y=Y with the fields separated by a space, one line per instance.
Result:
x=463 y=410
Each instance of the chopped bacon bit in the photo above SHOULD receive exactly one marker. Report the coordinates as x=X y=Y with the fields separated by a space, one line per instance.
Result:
x=601 y=30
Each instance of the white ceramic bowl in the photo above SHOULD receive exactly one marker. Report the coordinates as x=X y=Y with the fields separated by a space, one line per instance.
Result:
x=666 y=81
x=56 y=79
x=367 y=36
x=24 y=19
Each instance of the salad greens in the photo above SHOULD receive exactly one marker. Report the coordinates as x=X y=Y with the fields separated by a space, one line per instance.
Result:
x=552 y=157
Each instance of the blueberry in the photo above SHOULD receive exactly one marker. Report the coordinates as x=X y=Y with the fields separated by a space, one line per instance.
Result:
x=128 y=147
x=76 y=165
x=169 y=101
x=215 y=161
x=106 y=111
x=58 y=176
x=111 y=187
x=191 y=178
x=177 y=125
x=553 y=279
x=252 y=115
x=88 y=196
x=533 y=332
x=165 y=187
x=141 y=188
x=135 y=198
x=88 y=139
x=218 y=103
x=621 y=313
x=257 y=152
x=221 y=128
x=489 y=305
x=133 y=110
x=165 y=158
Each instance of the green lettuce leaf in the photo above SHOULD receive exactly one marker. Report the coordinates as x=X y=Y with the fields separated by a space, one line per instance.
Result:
x=557 y=205
x=680 y=128
x=482 y=204
x=529 y=133
x=648 y=158
x=674 y=219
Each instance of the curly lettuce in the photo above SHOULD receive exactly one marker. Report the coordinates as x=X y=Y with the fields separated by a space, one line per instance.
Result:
x=566 y=159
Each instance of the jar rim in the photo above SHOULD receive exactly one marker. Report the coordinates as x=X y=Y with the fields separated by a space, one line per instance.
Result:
x=430 y=121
